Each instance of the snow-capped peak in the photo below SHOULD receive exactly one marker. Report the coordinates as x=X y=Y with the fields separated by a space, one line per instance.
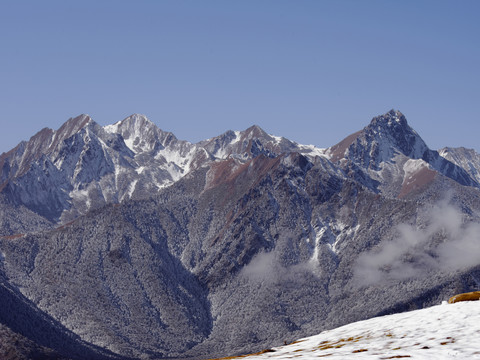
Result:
x=377 y=153
x=385 y=137
x=73 y=125
x=138 y=132
x=256 y=131
x=137 y=120
x=393 y=116
x=392 y=130
x=134 y=120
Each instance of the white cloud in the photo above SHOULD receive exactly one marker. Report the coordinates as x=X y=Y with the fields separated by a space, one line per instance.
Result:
x=446 y=243
x=266 y=267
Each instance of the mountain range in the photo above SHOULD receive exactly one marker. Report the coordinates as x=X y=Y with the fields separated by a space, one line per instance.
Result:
x=123 y=241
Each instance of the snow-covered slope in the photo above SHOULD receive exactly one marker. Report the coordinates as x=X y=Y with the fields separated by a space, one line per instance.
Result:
x=440 y=332
x=468 y=159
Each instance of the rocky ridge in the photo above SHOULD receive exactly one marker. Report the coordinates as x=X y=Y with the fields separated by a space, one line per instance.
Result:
x=82 y=166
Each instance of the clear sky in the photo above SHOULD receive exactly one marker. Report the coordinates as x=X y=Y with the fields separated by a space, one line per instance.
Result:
x=312 y=71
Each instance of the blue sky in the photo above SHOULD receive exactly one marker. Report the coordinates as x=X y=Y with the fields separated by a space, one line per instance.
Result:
x=312 y=71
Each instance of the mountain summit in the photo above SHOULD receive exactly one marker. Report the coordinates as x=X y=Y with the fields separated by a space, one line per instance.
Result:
x=386 y=136
x=140 y=134
x=389 y=156
x=392 y=131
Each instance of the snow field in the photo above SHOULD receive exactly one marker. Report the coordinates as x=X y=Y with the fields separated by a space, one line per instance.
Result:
x=440 y=332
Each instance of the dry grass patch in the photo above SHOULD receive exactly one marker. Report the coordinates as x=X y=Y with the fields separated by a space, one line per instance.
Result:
x=449 y=341
x=470 y=296
x=244 y=356
x=296 y=342
x=324 y=345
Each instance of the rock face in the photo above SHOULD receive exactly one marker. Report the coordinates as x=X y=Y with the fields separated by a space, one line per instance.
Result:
x=146 y=246
x=392 y=154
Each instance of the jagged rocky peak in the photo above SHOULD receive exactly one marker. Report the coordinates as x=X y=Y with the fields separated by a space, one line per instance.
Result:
x=73 y=125
x=253 y=132
x=393 y=129
x=229 y=136
x=131 y=125
x=385 y=136
x=140 y=134
x=135 y=122
x=256 y=131
x=390 y=119
x=247 y=144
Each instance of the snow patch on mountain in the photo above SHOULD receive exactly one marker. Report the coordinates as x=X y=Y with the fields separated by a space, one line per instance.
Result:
x=412 y=166
x=417 y=172
x=131 y=187
x=137 y=132
x=312 y=151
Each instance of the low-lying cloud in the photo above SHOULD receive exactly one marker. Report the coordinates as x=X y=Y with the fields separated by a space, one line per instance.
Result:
x=446 y=243
x=267 y=268
x=263 y=267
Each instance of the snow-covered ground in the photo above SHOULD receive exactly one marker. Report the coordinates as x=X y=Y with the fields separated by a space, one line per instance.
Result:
x=444 y=331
